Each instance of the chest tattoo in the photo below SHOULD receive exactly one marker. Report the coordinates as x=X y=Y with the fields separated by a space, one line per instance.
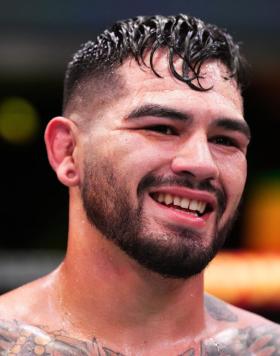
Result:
x=23 y=340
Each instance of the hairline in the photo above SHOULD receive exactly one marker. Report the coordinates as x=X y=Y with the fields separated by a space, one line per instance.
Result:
x=104 y=80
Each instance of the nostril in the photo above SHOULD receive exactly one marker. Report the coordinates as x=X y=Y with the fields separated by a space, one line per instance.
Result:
x=196 y=168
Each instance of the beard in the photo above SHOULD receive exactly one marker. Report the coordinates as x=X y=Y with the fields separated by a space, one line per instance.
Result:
x=172 y=252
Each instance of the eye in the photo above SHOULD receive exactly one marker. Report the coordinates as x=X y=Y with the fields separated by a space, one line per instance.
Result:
x=225 y=141
x=163 y=129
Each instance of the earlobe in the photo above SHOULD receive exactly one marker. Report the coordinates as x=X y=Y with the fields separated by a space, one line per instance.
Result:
x=61 y=144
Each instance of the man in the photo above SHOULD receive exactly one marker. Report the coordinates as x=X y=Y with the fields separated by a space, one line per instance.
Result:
x=152 y=146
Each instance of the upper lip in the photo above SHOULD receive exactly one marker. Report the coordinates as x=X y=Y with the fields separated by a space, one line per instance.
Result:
x=189 y=194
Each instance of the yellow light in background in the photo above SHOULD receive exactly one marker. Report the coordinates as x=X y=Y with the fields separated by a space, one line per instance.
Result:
x=254 y=278
x=19 y=121
x=262 y=218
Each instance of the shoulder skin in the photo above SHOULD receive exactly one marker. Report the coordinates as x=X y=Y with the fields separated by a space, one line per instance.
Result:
x=237 y=332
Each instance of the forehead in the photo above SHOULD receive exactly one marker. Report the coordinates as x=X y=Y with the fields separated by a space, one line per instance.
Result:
x=141 y=84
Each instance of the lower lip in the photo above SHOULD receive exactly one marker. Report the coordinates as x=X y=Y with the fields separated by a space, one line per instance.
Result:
x=181 y=217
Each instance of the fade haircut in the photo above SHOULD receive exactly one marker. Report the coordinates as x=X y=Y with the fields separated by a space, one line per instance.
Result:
x=184 y=36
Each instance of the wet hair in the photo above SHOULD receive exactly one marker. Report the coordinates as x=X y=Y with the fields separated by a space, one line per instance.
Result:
x=184 y=36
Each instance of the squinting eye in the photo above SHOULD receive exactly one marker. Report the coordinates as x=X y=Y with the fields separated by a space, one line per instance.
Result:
x=225 y=141
x=163 y=129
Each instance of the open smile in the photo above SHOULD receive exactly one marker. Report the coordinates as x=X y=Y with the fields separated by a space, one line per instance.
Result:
x=192 y=206
x=184 y=205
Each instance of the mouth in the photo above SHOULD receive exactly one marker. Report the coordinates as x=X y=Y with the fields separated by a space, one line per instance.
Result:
x=195 y=207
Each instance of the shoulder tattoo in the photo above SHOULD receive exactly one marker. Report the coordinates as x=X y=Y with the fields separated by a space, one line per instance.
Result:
x=260 y=341
x=219 y=310
x=23 y=340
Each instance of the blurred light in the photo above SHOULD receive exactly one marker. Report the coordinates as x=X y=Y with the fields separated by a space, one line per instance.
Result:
x=254 y=279
x=262 y=220
x=19 y=121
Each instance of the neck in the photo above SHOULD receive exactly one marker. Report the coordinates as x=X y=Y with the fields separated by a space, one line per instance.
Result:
x=113 y=298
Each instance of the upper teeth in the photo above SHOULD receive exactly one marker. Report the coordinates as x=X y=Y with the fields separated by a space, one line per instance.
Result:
x=181 y=202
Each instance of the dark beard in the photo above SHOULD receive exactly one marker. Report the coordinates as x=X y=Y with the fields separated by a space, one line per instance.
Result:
x=177 y=253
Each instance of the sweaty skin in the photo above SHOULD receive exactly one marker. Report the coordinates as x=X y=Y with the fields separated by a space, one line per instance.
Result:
x=21 y=339
x=100 y=300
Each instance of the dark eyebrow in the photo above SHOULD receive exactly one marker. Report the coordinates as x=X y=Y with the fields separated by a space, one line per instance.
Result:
x=158 y=111
x=234 y=125
x=170 y=113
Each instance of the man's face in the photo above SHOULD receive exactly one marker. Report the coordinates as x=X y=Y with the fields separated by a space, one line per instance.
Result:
x=165 y=167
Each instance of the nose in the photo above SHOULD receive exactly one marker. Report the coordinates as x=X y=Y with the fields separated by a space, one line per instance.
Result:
x=194 y=157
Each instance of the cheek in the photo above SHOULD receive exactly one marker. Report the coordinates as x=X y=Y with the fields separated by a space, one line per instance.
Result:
x=233 y=176
x=136 y=156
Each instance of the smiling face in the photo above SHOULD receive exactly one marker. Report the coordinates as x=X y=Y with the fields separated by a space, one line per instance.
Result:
x=165 y=167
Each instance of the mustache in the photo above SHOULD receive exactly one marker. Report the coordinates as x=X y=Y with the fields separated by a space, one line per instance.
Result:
x=152 y=181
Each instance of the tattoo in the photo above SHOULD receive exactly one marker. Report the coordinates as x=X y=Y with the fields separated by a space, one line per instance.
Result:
x=219 y=310
x=22 y=340
x=101 y=350
x=190 y=352
x=261 y=340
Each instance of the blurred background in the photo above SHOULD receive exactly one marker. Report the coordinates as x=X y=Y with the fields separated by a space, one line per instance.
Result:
x=37 y=39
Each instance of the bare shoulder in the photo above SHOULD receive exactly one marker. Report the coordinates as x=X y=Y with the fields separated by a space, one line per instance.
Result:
x=29 y=299
x=27 y=322
x=236 y=332
x=221 y=311
x=21 y=339
x=17 y=338
x=240 y=332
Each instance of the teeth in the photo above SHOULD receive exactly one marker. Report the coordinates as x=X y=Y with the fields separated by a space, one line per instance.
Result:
x=184 y=203
x=160 y=198
x=168 y=199
x=202 y=207
x=177 y=201
x=194 y=205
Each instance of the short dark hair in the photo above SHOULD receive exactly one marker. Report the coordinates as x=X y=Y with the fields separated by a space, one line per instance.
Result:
x=185 y=36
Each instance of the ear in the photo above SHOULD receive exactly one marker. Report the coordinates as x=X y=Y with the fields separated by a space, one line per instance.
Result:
x=60 y=143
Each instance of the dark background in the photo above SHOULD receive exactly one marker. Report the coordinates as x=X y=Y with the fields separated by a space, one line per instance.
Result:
x=37 y=39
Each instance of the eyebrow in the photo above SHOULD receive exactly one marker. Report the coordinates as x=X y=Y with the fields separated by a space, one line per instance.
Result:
x=234 y=125
x=158 y=111
x=170 y=113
